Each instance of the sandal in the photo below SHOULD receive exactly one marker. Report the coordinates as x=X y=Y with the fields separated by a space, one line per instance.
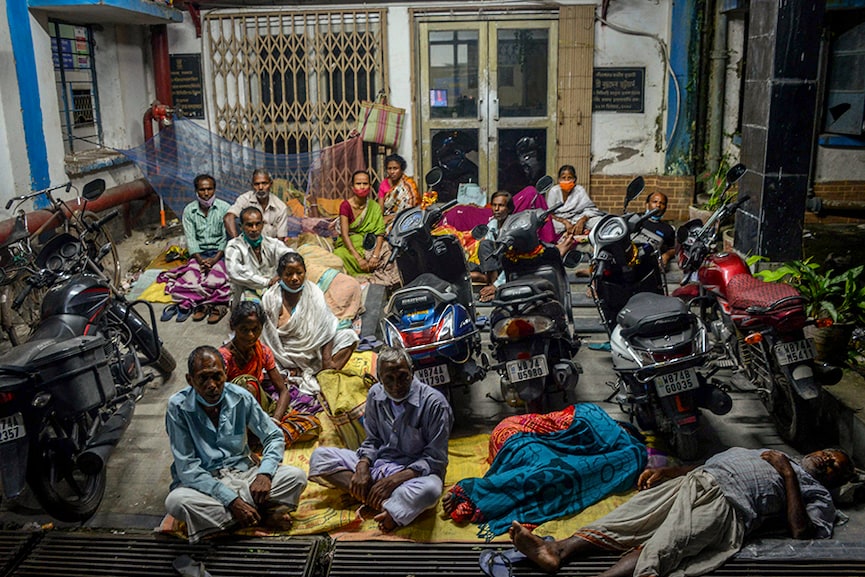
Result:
x=216 y=314
x=168 y=313
x=183 y=314
x=199 y=312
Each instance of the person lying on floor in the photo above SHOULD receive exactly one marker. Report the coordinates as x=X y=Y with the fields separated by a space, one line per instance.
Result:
x=399 y=469
x=690 y=520
x=547 y=466
x=215 y=482
x=200 y=287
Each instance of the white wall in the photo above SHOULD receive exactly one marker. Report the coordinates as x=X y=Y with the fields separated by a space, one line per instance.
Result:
x=839 y=164
x=14 y=166
x=399 y=52
x=633 y=143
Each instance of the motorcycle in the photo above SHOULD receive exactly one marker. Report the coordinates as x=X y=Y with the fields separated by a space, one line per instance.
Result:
x=531 y=321
x=68 y=392
x=755 y=327
x=433 y=315
x=657 y=344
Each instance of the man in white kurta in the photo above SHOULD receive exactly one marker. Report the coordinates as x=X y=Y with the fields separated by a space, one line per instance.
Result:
x=252 y=257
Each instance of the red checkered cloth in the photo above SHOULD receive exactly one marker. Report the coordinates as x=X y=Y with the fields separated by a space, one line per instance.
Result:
x=745 y=291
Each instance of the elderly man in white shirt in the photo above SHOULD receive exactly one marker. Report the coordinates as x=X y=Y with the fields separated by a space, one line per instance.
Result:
x=274 y=212
x=252 y=257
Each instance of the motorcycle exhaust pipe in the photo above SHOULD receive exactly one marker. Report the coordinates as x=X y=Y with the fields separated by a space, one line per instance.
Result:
x=92 y=460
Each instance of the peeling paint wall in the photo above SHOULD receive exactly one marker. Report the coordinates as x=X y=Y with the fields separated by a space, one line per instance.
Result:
x=627 y=144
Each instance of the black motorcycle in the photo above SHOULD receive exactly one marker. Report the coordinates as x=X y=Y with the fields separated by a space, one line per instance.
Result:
x=531 y=322
x=68 y=392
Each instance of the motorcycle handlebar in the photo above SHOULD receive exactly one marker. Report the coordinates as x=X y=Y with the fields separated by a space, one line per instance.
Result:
x=19 y=298
x=104 y=220
x=67 y=186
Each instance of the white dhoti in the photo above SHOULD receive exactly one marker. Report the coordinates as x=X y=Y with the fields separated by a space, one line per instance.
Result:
x=204 y=515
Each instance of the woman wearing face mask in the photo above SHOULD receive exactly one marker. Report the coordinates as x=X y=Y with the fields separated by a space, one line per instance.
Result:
x=359 y=217
x=578 y=214
x=398 y=191
x=299 y=327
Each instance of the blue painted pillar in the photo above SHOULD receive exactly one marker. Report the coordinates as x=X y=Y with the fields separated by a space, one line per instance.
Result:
x=28 y=90
x=681 y=115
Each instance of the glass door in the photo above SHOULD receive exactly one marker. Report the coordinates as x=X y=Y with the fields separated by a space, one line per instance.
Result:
x=488 y=98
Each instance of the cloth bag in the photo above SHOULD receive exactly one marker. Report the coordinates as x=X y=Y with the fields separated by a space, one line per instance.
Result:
x=380 y=123
x=343 y=396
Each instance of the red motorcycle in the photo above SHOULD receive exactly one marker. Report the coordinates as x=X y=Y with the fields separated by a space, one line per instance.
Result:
x=755 y=327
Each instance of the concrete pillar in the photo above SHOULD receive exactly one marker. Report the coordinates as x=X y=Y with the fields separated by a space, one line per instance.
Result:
x=778 y=125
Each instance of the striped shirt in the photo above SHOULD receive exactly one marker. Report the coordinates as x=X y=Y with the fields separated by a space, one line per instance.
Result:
x=756 y=490
x=205 y=233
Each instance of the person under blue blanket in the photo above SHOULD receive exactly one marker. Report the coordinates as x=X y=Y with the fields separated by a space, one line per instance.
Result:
x=551 y=469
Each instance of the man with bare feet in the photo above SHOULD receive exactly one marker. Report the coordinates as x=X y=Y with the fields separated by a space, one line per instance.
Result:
x=699 y=517
x=399 y=469
x=215 y=482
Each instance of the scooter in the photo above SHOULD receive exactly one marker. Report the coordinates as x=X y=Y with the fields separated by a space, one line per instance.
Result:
x=433 y=316
x=657 y=343
x=754 y=326
x=68 y=392
x=531 y=322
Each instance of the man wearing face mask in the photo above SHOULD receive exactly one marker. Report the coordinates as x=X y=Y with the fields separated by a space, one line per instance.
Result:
x=251 y=258
x=216 y=484
x=273 y=210
x=658 y=201
x=200 y=287
x=399 y=469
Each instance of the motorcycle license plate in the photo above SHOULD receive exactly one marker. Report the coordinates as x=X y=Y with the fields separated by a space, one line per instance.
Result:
x=434 y=376
x=789 y=353
x=12 y=428
x=677 y=382
x=525 y=369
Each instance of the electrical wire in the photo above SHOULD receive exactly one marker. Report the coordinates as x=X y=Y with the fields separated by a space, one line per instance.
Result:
x=666 y=57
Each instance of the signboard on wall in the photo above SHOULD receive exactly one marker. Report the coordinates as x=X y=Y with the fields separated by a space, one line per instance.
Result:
x=619 y=90
x=186 y=84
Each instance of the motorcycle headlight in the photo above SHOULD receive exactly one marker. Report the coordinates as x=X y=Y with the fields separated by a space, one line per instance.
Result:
x=392 y=336
x=446 y=325
x=612 y=230
x=514 y=329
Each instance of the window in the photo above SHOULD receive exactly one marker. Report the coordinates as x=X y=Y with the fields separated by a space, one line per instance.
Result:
x=75 y=75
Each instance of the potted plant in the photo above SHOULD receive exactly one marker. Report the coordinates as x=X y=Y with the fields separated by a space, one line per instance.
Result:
x=840 y=297
x=715 y=191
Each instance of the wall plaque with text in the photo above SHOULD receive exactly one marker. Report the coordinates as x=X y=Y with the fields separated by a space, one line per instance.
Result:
x=186 y=84
x=619 y=90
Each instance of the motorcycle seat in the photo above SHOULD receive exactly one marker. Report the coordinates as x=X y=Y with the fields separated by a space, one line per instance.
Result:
x=747 y=292
x=650 y=314
x=533 y=287
x=414 y=299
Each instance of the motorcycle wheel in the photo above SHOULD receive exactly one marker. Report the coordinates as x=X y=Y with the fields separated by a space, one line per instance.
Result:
x=61 y=487
x=685 y=445
x=165 y=364
x=790 y=412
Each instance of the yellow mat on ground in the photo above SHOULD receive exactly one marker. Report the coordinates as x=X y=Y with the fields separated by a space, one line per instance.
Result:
x=324 y=510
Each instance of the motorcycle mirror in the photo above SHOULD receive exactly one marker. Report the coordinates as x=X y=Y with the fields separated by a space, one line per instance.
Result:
x=93 y=189
x=572 y=258
x=635 y=189
x=735 y=173
x=544 y=184
x=433 y=177
x=480 y=231
x=369 y=241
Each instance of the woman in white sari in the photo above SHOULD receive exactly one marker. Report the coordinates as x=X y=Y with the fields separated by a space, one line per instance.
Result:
x=302 y=331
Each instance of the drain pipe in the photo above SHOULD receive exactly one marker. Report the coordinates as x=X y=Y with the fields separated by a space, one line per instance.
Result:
x=116 y=196
x=717 y=89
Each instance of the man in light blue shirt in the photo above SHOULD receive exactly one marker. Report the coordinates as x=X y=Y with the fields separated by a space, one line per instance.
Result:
x=215 y=482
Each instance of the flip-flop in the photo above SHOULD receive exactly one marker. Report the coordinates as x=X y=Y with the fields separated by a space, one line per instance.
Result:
x=168 y=313
x=199 y=312
x=183 y=314
x=500 y=563
x=368 y=343
x=600 y=346
x=216 y=314
x=189 y=567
